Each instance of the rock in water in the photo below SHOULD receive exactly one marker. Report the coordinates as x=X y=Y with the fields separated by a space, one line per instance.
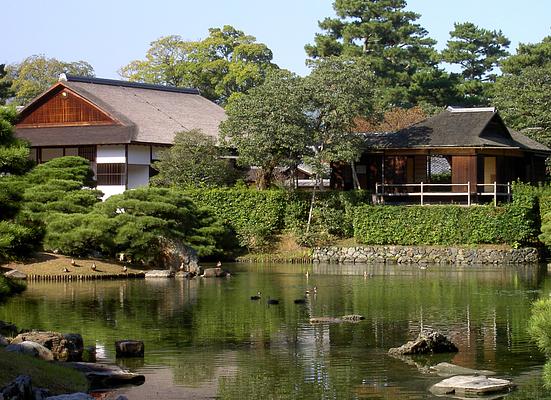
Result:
x=32 y=349
x=160 y=273
x=426 y=343
x=214 y=273
x=67 y=347
x=129 y=348
x=174 y=254
x=447 y=369
x=102 y=376
x=15 y=274
x=472 y=385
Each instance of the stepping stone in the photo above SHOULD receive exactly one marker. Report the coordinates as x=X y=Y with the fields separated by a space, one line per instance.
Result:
x=447 y=369
x=472 y=385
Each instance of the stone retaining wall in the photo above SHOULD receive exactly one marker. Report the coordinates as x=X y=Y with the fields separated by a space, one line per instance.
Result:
x=423 y=255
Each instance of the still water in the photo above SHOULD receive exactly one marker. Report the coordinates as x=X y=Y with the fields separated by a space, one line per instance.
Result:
x=206 y=339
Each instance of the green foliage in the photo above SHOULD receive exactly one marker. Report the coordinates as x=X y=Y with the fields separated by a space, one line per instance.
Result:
x=267 y=126
x=528 y=55
x=524 y=102
x=385 y=35
x=539 y=326
x=5 y=85
x=225 y=63
x=255 y=216
x=14 y=153
x=17 y=240
x=194 y=161
x=37 y=73
x=442 y=225
x=68 y=168
x=290 y=119
x=477 y=50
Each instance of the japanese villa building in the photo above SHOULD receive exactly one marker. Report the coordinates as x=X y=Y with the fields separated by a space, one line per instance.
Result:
x=118 y=126
x=458 y=154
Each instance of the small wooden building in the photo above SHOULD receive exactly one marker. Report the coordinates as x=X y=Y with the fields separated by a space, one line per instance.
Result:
x=466 y=151
x=119 y=126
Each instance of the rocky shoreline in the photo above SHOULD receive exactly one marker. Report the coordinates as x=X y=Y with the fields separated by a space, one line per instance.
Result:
x=67 y=350
x=424 y=255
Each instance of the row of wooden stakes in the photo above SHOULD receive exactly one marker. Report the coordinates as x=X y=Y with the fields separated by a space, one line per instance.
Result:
x=83 y=277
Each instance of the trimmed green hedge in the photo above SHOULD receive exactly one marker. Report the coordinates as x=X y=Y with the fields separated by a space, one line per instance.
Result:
x=515 y=223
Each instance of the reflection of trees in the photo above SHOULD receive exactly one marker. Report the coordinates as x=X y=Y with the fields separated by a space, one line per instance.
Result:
x=209 y=329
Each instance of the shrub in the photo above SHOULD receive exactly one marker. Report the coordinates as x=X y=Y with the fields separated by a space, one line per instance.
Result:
x=17 y=241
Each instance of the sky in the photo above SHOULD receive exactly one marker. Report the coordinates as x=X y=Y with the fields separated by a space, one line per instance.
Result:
x=111 y=33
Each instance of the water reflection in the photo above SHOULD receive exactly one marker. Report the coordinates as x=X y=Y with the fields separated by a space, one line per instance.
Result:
x=214 y=341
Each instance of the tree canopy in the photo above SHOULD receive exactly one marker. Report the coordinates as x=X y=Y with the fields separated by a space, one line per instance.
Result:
x=194 y=160
x=387 y=36
x=522 y=92
x=227 y=61
x=290 y=119
x=36 y=73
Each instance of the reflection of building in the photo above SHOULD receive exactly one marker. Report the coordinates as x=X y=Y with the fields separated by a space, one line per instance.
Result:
x=119 y=126
x=470 y=148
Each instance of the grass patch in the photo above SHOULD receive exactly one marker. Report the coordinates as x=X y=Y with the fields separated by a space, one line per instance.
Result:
x=54 y=377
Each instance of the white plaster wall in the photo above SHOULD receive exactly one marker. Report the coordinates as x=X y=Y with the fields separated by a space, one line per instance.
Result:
x=139 y=155
x=115 y=154
x=51 y=153
x=138 y=175
x=110 y=190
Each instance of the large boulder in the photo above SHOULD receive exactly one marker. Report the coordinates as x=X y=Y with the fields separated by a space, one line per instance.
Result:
x=471 y=386
x=175 y=255
x=20 y=388
x=216 y=272
x=426 y=343
x=66 y=347
x=15 y=274
x=102 y=376
x=32 y=349
x=129 y=348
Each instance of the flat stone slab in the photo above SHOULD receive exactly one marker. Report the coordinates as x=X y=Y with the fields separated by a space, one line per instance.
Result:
x=472 y=385
x=103 y=376
x=15 y=274
x=336 y=320
x=447 y=369
x=160 y=273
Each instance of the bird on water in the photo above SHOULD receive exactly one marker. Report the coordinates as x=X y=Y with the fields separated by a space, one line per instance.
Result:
x=300 y=301
x=273 y=301
x=257 y=296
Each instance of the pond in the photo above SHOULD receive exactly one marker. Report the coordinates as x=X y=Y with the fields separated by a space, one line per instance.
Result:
x=205 y=338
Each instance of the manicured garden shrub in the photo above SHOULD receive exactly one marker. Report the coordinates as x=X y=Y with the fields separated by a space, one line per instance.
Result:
x=539 y=326
x=17 y=241
x=254 y=215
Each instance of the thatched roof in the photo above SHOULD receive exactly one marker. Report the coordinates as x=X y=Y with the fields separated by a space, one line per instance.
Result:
x=456 y=127
x=144 y=113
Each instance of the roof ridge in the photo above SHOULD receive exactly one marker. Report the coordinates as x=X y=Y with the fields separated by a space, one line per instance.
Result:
x=136 y=85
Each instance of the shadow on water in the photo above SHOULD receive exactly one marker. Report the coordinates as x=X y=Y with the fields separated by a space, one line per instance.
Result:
x=207 y=338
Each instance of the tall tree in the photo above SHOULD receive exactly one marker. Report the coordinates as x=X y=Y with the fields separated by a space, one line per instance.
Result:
x=477 y=50
x=528 y=55
x=522 y=92
x=36 y=73
x=5 y=85
x=291 y=119
x=194 y=161
x=227 y=61
x=386 y=35
x=267 y=125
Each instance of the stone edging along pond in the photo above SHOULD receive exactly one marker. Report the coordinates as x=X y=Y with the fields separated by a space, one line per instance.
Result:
x=424 y=255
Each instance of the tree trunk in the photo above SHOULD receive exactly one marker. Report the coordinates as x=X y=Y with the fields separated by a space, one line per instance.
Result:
x=355 y=180
x=311 y=205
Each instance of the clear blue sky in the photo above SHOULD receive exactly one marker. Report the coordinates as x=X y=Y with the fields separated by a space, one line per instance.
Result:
x=109 y=34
